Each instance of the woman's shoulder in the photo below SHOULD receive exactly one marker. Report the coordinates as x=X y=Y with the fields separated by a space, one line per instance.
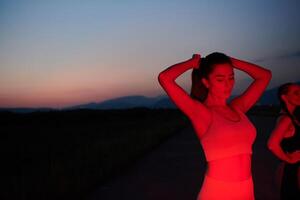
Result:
x=284 y=119
x=284 y=126
x=284 y=116
x=236 y=108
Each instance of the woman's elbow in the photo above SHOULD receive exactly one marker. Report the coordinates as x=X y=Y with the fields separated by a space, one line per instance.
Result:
x=268 y=74
x=271 y=145
x=162 y=78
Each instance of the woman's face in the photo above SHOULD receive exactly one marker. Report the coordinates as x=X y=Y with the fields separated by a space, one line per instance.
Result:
x=220 y=81
x=293 y=95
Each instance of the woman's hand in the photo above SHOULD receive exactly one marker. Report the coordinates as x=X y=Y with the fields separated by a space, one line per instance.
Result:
x=195 y=61
x=294 y=157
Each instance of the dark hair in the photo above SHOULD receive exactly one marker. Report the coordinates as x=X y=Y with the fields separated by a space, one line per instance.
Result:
x=207 y=65
x=283 y=89
x=296 y=114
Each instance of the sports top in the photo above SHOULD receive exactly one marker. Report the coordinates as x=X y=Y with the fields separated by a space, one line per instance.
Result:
x=225 y=138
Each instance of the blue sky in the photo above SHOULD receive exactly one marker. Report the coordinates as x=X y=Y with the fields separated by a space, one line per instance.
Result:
x=61 y=53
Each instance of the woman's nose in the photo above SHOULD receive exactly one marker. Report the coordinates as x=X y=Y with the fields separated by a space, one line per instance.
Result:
x=227 y=84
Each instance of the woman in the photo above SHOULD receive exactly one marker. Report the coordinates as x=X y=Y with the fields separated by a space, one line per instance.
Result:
x=284 y=141
x=224 y=130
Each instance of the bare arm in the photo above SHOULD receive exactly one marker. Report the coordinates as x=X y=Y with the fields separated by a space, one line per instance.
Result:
x=261 y=78
x=192 y=108
x=276 y=138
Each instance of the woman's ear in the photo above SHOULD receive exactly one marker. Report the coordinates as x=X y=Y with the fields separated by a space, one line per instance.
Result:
x=283 y=97
x=205 y=82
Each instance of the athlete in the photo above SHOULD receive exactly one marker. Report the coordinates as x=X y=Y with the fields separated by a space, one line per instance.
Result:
x=284 y=140
x=222 y=127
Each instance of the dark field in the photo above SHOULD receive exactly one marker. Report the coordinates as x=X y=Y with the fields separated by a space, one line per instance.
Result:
x=175 y=169
x=66 y=154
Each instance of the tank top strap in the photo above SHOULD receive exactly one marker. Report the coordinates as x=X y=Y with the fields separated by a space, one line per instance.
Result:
x=293 y=120
x=239 y=112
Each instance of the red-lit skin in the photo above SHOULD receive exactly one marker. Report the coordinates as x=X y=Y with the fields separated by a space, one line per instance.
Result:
x=219 y=83
x=285 y=128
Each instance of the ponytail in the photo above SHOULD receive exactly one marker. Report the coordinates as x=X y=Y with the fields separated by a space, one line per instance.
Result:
x=296 y=114
x=282 y=90
x=198 y=90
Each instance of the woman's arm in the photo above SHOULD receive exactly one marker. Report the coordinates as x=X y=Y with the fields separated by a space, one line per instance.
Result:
x=261 y=78
x=183 y=101
x=276 y=138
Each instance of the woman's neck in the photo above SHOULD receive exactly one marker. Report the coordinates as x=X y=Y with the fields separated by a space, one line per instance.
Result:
x=215 y=101
x=290 y=108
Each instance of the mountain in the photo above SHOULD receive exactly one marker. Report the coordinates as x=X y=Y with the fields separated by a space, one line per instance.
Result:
x=117 y=103
x=164 y=103
x=126 y=102
x=268 y=98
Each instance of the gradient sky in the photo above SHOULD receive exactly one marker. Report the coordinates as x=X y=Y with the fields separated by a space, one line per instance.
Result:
x=58 y=53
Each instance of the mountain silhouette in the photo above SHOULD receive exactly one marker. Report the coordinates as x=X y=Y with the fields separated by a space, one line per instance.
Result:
x=269 y=97
x=125 y=103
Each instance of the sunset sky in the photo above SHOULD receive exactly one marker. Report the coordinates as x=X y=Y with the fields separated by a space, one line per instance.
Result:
x=58 y=53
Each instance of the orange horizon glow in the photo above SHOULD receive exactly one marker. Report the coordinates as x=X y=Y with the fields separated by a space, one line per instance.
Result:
x=57 y=55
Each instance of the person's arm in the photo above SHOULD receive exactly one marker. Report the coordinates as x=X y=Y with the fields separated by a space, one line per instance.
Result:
x=276 y=137
x=189 y=106
x=261 y=78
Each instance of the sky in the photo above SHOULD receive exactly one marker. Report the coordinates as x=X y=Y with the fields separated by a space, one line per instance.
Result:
x=58 y=53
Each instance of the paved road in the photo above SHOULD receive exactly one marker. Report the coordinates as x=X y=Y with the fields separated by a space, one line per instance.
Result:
x=175 y=170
